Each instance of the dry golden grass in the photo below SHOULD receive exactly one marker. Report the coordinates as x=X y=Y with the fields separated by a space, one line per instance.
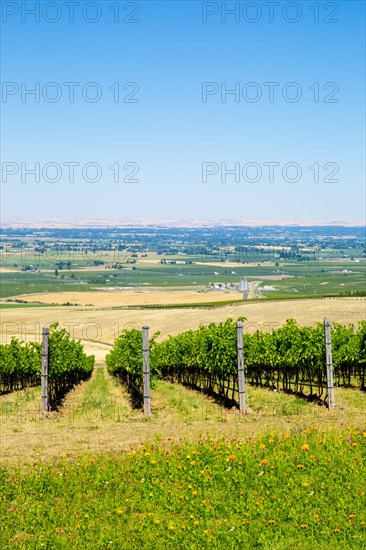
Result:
x=112 y=298
x=96 y=327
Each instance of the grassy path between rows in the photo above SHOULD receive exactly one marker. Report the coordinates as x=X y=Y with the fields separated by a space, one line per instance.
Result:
x=101 y=399
x=97 y=416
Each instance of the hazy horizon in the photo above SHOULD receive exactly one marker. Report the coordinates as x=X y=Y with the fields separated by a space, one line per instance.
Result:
x=100 y=223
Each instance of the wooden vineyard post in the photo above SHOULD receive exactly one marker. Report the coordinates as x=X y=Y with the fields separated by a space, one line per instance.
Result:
x=329 y=363
x=44 y=373
x=146 y=370
x=240 y=353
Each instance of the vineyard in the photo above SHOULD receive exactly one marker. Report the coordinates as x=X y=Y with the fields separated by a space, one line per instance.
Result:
x=20 y=364
x=291 y=358
x=96 y=474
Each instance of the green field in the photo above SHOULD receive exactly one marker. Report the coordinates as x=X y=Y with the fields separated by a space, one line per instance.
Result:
x=277 y=491
x=21 y=306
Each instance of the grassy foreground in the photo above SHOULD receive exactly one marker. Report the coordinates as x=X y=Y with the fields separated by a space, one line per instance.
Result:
x=305 y=489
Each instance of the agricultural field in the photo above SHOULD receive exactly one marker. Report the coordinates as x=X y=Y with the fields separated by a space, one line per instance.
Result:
x=310 y=280
x=302 y=262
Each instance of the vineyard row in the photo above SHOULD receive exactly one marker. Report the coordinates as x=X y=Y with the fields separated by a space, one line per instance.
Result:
x=291 y=358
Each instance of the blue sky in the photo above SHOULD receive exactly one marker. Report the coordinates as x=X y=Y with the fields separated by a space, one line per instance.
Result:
x=168 y=133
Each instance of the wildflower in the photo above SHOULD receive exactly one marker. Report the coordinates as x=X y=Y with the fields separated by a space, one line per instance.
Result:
x=336 y=530
x=171 y=527
x=287 y=436
x=262 y=447
x=196 y=523
x=193 y=462
x=119 y=511
x=194 y=493
x=271 y=521
x=231 y=458
x=264 y=462
x=316 y=516
x=300 y=466
x=156 y=521
x=303 y=525
x=305 y=447
x=352 y=515
x=271 y=441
